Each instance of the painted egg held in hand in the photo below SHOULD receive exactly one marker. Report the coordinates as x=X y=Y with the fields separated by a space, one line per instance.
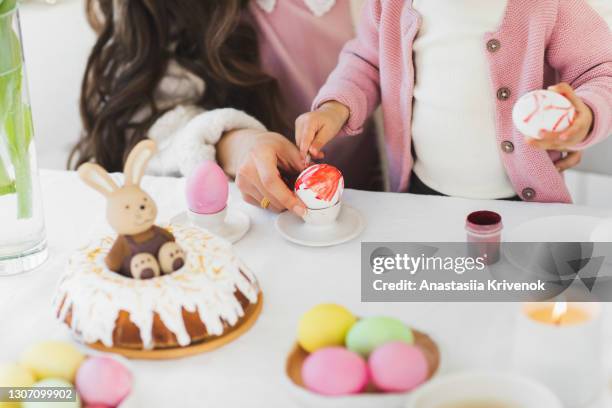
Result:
x=335 y=371
x=320 y=186
x=542 y=110
x=207 y=188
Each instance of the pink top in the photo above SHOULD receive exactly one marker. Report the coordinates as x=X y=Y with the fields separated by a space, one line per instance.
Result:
x=300 y=50
x=536 y=41
x=288 y=35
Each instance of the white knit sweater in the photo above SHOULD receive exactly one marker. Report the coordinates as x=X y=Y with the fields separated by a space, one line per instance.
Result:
x=186 y=135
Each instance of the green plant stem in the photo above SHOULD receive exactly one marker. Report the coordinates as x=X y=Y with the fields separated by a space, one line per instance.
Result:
x=23 y=187
x=5 y=180
x=18 y=128
x=16 y=115
x=8 y=189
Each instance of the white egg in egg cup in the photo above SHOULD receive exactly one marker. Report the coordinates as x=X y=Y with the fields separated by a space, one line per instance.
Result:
x=327 y=221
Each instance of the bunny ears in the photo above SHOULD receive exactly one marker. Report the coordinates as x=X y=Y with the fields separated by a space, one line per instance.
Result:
x=99 y=179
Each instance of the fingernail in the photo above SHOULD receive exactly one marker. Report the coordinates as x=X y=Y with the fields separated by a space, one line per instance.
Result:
x=299 y=210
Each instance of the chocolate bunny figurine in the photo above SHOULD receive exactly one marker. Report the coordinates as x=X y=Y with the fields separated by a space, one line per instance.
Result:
x=142 y=250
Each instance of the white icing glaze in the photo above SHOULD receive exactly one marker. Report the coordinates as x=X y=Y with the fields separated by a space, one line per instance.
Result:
x=95 y=295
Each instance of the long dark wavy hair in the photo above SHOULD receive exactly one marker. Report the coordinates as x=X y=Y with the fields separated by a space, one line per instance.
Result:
x=136 y=41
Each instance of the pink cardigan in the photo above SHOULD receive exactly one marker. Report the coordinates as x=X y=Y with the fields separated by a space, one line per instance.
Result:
x=538 y=43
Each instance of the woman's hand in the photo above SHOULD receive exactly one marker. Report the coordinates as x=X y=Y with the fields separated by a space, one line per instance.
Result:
x=255 y=159
x=576 y=133
x=315 y=129
x=568 y=162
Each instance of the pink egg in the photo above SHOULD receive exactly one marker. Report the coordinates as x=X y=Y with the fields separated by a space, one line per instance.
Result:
x=97 y=406
x=335 y=371
x=103 y=381
x=398 y=367
x=207 y=188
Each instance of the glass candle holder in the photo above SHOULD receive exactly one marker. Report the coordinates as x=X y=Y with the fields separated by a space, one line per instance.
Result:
x=22 y=231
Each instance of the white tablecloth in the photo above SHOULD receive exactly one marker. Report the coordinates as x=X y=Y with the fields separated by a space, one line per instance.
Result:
x=250 y=371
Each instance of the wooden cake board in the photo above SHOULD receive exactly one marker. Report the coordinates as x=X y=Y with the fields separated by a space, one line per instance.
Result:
x=181 y=352
x=430 y=349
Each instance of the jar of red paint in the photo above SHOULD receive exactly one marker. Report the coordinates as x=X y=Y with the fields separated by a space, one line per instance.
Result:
x=484 y=235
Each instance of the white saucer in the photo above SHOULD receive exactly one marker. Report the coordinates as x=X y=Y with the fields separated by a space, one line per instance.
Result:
x=562 y=228
x=236 y=225
x=349 y=225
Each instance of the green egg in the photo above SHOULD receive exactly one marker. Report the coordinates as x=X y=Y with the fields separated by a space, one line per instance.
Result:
x=370 y=333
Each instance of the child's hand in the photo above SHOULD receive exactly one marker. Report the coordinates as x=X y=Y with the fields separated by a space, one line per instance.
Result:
x=573 y=135
x=315 y=129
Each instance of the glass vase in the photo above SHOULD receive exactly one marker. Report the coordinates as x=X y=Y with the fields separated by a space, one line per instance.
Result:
x=22 y=230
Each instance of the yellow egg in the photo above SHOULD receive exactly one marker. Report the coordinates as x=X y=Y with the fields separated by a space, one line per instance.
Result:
x=14 y=375
x=55 y=359
x=324 y=325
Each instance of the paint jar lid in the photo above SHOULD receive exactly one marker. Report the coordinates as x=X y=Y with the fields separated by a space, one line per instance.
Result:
x=484 y=222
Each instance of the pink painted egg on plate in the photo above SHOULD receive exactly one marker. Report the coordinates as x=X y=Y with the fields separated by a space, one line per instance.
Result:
x=207 y=188
x=320 y=186
x=398 y=367
x=103 y=381
x=335 y=371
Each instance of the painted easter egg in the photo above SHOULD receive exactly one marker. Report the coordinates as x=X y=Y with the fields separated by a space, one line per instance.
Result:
x=397 y=367
x=320 y=186
x=324 y=325
x=335 y=371
x=103 y=381
x=14 y=375
x=207 y=188
x=542 y=110
x=55 y=383
x=55 y=359
x=372 y=332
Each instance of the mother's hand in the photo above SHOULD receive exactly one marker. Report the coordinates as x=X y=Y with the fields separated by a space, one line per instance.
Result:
x=255 y=159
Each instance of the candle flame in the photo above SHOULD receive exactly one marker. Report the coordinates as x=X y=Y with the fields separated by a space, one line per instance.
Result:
x=559 y=311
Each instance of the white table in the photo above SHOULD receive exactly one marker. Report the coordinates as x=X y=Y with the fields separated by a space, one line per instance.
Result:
x=249 y=372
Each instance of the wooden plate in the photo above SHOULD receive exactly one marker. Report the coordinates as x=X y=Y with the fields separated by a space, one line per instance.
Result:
x=421 y=340
x=180 y=352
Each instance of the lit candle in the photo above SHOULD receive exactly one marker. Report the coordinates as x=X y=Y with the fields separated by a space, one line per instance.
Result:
x=559 y=314
x=560 y=344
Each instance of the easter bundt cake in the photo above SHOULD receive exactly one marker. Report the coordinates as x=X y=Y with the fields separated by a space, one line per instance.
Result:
x=150 y=287
x=211 y=295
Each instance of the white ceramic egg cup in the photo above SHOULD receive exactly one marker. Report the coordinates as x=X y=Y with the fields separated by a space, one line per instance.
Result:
x=229 y=223
x=321 y=228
